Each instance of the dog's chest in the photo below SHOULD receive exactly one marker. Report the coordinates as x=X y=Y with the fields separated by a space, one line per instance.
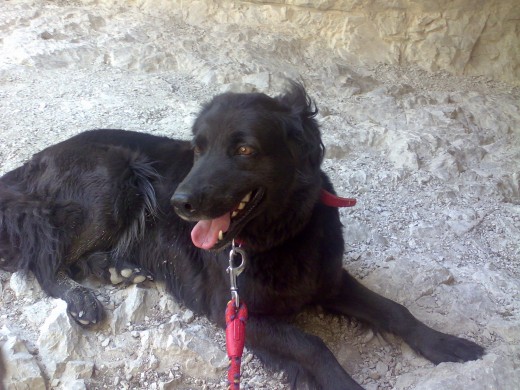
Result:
x=280 y=283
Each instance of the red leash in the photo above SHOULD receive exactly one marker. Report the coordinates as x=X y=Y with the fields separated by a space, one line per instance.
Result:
x=236 y=318
x=236 y=311
x=235 y=339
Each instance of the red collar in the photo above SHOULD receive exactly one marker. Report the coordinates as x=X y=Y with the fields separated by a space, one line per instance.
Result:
x=332 y=200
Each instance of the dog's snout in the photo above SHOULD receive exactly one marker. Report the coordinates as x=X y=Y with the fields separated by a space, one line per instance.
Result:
x=183 y=204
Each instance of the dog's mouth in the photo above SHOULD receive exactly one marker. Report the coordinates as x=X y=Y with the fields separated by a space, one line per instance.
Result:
x=218 y=232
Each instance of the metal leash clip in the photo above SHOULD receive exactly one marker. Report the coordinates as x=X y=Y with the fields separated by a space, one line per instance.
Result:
x=235 y=271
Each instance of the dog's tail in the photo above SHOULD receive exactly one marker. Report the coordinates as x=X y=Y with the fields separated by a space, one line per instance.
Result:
x=137 y=203
x=29 y=238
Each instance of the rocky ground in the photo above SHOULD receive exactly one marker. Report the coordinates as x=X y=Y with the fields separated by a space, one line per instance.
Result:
x=433 y=159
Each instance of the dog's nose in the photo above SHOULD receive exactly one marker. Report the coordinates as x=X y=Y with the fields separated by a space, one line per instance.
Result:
x=182 y=203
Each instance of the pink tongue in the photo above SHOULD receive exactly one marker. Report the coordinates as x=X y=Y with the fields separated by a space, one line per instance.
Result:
x=205 y=233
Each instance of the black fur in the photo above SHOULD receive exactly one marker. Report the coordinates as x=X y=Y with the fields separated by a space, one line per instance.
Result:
x=103 y=200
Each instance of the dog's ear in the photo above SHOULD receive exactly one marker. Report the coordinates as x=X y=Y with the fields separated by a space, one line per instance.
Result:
x=302 y=125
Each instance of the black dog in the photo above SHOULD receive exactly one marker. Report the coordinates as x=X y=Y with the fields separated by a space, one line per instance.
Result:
x=101 y=203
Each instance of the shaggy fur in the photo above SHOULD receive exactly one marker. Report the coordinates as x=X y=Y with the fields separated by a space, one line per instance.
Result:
x=121 y=205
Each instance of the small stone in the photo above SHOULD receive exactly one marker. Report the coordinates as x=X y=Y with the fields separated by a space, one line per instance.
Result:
x=188 y=316
x=369 y=336
x=374 y=375
x=381 y=368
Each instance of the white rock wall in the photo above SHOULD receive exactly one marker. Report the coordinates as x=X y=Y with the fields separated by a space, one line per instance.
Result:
x=463 y=37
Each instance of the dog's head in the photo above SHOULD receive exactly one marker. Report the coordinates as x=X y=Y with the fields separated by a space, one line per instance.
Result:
x=256 y=169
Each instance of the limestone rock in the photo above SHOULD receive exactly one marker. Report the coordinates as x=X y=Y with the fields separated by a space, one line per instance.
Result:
x=24 y=285
x=22 y=369
x=61 y=341
x=134 y=307
x=462 y=37
x=478 y=376
x=192 y=345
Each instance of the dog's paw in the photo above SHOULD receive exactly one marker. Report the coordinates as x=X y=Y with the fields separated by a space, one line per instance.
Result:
x=83 y=306
x=440 y=347
x=128 y=274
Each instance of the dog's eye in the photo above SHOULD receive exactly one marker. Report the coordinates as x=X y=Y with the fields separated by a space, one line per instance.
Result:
x=245 y=151
x=197 y=150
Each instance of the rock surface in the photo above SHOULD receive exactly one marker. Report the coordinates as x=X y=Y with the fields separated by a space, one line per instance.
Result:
x=433 y=159
x=463 y=37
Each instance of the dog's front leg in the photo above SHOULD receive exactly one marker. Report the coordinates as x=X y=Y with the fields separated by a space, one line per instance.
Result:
x=305 y=358
x=385 y=315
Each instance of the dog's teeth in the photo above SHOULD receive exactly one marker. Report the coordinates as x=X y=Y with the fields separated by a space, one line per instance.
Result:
x=220 y=235
x=242 y=204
